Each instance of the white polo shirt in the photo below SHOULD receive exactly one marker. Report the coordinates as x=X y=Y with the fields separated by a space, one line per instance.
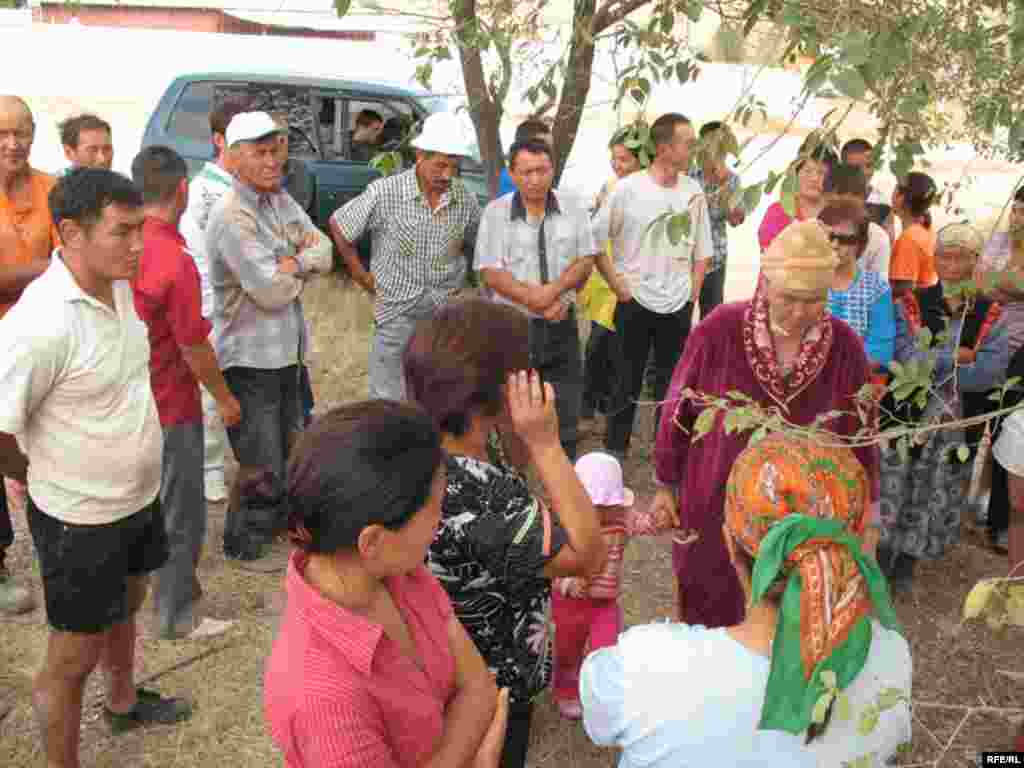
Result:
x=74 y=389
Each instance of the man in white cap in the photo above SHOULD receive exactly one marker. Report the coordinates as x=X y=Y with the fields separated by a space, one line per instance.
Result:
x=424 y=223
x=262 y=247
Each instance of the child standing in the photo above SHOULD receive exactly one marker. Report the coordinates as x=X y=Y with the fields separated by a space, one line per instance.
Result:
x=588 y=609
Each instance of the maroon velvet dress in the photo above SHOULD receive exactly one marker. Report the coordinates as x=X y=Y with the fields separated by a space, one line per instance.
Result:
x=733 y=350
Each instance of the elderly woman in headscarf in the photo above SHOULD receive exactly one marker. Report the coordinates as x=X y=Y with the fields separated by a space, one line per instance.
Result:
x=922 y=498
x=780 y=349
x=818 y=618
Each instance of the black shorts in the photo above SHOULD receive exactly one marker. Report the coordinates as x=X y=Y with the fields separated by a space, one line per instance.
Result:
x=85 y=568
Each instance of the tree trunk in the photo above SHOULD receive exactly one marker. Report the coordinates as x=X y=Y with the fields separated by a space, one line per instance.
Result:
x=578 y=71
x=485 y=113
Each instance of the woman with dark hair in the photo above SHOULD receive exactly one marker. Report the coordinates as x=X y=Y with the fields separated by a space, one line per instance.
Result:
x=814 y=163
x=598 y=300
x=817 y=618
x=912 y=265
x=498 y=545
x=859 y=296
x=370 y=666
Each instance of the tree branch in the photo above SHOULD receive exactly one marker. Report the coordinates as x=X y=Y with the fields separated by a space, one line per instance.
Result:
x=615 y=11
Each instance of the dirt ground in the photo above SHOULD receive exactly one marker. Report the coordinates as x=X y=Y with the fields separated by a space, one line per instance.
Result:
x=954 y=667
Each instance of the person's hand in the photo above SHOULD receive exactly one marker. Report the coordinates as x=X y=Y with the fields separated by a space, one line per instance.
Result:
x=965 y=356
x=664 y=509
x=622 y=291
x=737 y=217
x=310 y=240
x=230 y=411
x=488 y=754
x=531 y=408
x=289 y=265
x=367 y=282
x=557 y=312
x=542 y=297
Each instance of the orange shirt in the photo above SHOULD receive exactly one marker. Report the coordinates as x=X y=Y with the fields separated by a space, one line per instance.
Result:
x=27 y=233
x=913 y=257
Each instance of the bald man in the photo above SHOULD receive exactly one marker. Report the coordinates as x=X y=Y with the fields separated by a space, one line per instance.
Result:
x=27 y=237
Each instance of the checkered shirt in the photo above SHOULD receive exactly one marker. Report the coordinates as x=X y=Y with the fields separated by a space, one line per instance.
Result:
x=718 y=214
x=257 y=315
x=416 y=251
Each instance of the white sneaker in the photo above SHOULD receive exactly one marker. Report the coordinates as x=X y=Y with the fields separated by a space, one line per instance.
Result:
x=210 y=628
x=216 y=490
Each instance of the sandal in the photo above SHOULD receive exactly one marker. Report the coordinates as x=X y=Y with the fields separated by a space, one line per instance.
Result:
x=150 y=709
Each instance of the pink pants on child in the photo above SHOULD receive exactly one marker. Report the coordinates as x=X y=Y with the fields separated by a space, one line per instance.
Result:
x=576 y=621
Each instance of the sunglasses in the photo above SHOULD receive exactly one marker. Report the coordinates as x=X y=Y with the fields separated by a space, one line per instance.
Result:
x=854 y=239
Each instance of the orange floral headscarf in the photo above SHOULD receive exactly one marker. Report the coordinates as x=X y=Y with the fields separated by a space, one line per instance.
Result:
x=798 y=509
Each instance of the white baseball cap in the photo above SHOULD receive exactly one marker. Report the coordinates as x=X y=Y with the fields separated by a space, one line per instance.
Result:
x=443 y=132
x=250 y=126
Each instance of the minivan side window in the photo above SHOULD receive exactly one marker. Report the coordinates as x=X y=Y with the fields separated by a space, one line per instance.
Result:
x=190 y=118
x=396 y=117
x=293 y=101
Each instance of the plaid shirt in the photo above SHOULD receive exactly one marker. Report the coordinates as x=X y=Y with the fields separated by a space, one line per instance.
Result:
x=718 y=214
x=416 y=251
x=257 y=315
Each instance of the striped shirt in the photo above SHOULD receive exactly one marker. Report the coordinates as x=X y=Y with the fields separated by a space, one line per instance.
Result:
x=257 y=315
x=339 y=692
x=416 y=250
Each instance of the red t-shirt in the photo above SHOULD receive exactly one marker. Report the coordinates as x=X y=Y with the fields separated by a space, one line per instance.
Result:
x=168 y=299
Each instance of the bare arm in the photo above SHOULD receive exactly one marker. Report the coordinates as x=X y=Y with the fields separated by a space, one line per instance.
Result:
x=531 y=407
x=1016 y=492
x=700 y=268
x=13 y=463
x=350 y=256
x=616 y=281
x=202 y=361
x=534 y=297
x=576 y=274
x=471 y=709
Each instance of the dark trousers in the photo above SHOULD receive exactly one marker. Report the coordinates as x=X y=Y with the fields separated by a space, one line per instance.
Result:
x=271 y=401
x=599 y=370
x=712 y=293
x=639 y=330
x=517 y=735
x=308 y=403
x=6 y=526
x=555 y=353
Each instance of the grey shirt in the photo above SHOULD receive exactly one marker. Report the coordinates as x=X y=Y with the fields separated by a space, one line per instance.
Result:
x=509 y=240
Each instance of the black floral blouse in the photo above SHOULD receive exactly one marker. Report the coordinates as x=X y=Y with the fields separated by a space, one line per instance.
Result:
x=489 y=553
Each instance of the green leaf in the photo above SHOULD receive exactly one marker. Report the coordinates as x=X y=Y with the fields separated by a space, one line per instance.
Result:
x=828 y=678
x=788 y=194
x=903 y=449
x=730 y=42
x=856 y=49
x=890 y=697
x=821 y=706
x=843 y=706
x=704 y=422
x=683 y=71
x=341 y=7
x=963 y=453
x=759 y=434
x=678 y=227
x=850 y=83
x=751 y=198
x=868 y=721
x=924 y=338
x=897 y=369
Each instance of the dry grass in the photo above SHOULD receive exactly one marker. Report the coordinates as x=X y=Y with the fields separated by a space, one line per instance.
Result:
x=955 y=667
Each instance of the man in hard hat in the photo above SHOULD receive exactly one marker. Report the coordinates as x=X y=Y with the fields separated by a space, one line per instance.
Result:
x=262 y=248
x=424 y=224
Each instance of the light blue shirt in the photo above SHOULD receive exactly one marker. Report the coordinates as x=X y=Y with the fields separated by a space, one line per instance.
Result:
x=674 y=695
x=867 y=307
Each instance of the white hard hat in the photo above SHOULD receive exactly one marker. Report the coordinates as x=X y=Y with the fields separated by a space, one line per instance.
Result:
x=250 y=126
x=443 y=132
